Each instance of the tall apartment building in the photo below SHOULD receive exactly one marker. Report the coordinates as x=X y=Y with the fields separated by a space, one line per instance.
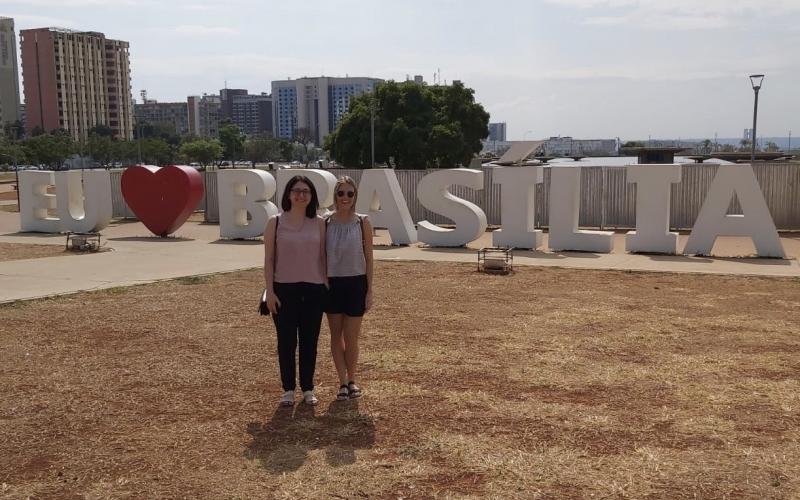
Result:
x=175 y=115
x=252 y=113
x=9 y=74
x=76 y=80
x=204 y=113
x=316 y=104
x=497 y=132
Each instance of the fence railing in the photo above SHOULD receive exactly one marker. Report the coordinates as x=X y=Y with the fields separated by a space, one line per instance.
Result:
x=607 y=200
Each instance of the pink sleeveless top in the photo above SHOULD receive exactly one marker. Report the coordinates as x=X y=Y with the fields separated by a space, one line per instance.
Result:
x=298 y=257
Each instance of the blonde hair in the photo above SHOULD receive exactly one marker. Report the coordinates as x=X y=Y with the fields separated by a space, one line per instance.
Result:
x=345 y=179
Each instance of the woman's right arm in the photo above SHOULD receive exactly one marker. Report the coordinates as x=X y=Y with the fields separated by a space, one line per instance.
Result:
x=269 y=264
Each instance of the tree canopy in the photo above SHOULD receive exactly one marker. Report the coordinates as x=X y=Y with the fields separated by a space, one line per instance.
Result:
x=416 y=126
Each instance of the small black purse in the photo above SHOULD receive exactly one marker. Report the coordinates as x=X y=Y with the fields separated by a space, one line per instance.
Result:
x=262 y=304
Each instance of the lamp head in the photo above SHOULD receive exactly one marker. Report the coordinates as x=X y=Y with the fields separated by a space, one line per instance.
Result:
x=755 y=81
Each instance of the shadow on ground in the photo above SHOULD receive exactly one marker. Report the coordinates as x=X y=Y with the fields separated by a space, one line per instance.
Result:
x=283 y=443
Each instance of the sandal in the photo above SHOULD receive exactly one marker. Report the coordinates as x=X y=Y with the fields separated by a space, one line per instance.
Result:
x=355 y=391
x=343 y=394
x=309 y=398
x=287 y=399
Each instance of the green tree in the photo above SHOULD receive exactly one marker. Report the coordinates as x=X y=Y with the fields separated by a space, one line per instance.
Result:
x=772 y=147
x=262 y=149
x=203 y=151
x=101 y=148
x=232 y=140
x=102 y=131
x=11 y=152
x=157 y=151
x=418 y=126
x=49 y=149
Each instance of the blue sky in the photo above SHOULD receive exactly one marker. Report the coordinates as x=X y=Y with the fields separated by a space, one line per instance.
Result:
x=586 y=68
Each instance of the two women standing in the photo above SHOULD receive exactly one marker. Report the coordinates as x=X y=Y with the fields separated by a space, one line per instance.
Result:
x=313 y=265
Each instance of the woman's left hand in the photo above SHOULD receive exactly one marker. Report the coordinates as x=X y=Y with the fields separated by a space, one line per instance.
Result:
x=368 y=302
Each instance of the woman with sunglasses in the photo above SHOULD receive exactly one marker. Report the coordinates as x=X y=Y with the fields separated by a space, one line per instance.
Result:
x=295 y=276
x=349 y=256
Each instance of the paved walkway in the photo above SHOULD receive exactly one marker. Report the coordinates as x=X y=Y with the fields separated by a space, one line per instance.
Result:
x=138 y=257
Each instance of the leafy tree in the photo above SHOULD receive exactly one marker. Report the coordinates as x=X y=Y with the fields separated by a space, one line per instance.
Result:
x=262 y=149
x=286 y=148
x=157 y=151
x=49 y=149
x=203 y=151
x=14 y=131
x=418 y=126
x=102 y=131
x=745 y=145
x=303 y=137
x=232 y=140
x=101 y=148
x=11 y=152
x=772 y=147
x=633 y=144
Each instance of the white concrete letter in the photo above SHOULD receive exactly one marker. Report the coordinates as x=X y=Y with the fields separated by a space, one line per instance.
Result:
x=323 y=181
x=380 y=197
x=433 y=194
x=83 y=199
x=652 y=208
x=565 y=187
x=755 y=220
x=243 y=192
x=34 y=202
x=517 y=196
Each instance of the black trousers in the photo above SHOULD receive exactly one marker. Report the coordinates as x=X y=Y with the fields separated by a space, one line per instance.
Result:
x=298 y=321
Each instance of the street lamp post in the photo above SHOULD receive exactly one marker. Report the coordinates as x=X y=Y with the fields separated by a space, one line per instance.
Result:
x=372 y=129
x=755 y=81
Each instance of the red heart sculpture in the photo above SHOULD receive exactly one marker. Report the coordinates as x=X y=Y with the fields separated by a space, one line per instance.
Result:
x=162 y=198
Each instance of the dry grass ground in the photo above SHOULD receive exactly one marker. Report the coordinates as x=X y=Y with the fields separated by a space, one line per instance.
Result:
x=548 y=383
x=17 y=251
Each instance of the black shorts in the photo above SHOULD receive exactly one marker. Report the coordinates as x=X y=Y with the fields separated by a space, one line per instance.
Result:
x=347 y=295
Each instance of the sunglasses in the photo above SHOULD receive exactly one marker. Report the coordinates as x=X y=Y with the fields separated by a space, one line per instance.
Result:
x=349 y=194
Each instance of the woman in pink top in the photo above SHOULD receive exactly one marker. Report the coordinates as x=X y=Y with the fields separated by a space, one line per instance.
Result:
x=295 y=276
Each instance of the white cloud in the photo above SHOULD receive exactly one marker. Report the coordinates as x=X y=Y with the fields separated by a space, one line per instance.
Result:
x=196 y=29
x=680 y=14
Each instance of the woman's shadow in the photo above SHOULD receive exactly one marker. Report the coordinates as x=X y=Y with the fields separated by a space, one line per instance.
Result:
x=283 y=443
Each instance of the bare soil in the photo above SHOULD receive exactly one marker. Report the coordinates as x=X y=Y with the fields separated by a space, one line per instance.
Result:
x=547 y=383
x=18 y=251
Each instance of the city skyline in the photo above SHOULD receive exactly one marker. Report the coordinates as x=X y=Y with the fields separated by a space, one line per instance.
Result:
x=583 y=68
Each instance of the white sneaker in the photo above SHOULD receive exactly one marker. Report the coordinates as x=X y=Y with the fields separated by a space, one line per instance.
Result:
x=309 y=398
x=287 y=399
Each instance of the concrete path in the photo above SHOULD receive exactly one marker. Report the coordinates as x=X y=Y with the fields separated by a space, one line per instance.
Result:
x=138 y=257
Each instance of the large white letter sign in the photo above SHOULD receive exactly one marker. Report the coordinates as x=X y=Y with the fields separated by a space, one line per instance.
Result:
x=652 y=208
x=755 y=220
x=433 y=194
x=243 y=192
x=380 y=197
x=35 y=201
x=518 y=185
x=83 y=198
x=322 y=179
x=565 y=187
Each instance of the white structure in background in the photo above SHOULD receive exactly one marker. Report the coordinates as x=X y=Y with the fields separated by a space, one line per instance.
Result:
x=653 y=188
x=565 y=191
x=755 y=220
x=433 y=193
x=243 y=192
x=380 y=197
x=82 y=201
x=517 y=205
x=316 y=104
x=323 y=182
x=565 y=146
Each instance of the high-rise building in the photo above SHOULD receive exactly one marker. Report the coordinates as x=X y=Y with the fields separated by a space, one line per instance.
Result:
x=204 y=115
x=252 y=113
x=497 y=132
x=9 y=74
x=174 y=115
x=76 y=80
x=315 y=104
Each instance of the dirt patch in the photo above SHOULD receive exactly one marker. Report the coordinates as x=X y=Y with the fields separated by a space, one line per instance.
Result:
x=19 y=251
x=548 y=383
